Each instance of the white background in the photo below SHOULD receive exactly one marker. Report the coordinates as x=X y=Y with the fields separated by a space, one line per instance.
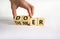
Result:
x=49 y=9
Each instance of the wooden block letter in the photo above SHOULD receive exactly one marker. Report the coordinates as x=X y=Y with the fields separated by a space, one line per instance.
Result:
x=18 y=20
x=40 y=21
x=33 y=21
x=25 y=20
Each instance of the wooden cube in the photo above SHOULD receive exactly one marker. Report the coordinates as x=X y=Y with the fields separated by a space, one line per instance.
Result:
x=41 y=21
x=33 y=21
x=26 y=20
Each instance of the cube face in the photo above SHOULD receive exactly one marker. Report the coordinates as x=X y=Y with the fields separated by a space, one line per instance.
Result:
x=25 y=18
x=41 y=21
x=18 y=18
x=33 y=21
x=18 y=22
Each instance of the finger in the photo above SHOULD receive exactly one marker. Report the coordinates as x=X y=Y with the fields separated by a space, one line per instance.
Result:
x=14 y=7
x=29 y=12
x=32 y=8
x=27 y=7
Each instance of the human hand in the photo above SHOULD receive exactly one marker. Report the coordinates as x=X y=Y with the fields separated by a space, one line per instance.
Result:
x=21 y=3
